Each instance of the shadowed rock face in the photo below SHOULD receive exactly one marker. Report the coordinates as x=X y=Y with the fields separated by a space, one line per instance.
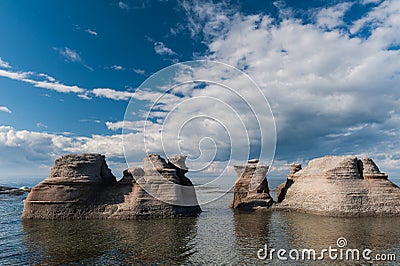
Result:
x=341 y=186
x=83 y=187
x=283 y=188
x=251 y=187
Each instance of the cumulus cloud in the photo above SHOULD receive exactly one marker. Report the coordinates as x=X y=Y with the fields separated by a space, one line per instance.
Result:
x=112 y=94
x=26 y=150
x=332 y=17
x=161 y=49
x=5 y=109
x=332 y=91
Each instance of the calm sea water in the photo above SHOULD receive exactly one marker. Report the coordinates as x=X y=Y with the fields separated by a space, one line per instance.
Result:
x=219 y=236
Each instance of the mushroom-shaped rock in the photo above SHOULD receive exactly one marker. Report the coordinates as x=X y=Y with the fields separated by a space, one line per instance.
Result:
x=251 y=187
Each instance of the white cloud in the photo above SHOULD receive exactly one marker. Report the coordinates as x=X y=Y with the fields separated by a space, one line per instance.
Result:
x=28 y=150
x=97 y=121
x=117 y=67
x=41 y=125
x=49 y=78
x=161 y=49
x=85 y=96
x=69 y=54
x=320 y=80
x=332 y=17
x=365 y=2
x=112 y=94
x=50 y=83
x=55 y=86
x=139 y=71
x=130 y=125
x=5 y=109
x=14 y=75
x=206 y=17
x=123 y=5
x=330 y=92
x=91 y=32
x=4 y=64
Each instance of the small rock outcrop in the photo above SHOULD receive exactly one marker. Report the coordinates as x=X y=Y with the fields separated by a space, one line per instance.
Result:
x=340 y=186
x=251 y=187
x=13 y=190
x=83 y=187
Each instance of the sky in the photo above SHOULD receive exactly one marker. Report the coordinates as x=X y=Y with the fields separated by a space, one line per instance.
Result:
x=319 y=77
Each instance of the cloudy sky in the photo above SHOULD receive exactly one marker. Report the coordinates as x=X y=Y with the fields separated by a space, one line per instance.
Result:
x=330 y=71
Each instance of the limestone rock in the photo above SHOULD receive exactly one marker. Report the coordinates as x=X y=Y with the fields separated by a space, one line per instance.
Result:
x=251 y=187
x=370 y=170
x=341 y=186
x=81 y=168
x=178 y=161
x=83 y=187
x=282 y=188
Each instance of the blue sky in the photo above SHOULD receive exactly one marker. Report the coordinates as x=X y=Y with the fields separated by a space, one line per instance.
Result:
x=68 y=69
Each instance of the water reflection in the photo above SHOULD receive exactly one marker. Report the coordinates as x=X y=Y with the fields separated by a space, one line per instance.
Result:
x=251 y=228
x=110 y=242
x=319 y=232
x=218 y=236
x=299 y=231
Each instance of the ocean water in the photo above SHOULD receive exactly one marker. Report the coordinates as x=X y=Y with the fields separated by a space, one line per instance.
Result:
x=219 y=236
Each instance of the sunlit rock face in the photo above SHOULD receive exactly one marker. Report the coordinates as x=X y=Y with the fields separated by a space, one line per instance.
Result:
x=251 y=187
x=83 y=187
x=340 y=186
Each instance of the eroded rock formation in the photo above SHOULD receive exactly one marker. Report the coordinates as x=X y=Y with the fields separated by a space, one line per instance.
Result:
x=251 y=187
x=340 y=186
x=283 y=188
x=83 y=187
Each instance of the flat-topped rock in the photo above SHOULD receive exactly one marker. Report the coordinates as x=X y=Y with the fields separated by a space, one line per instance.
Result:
x=251 y=187
x=340 y=186
x=83 y=187
x=82 y=167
